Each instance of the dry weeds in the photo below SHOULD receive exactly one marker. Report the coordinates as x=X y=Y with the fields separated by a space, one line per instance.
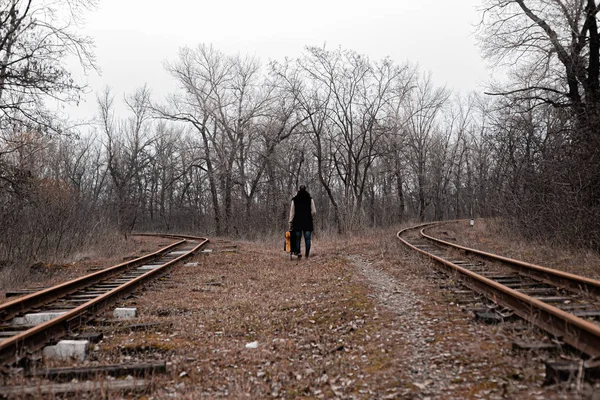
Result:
x=489 y=235
x=46 y=273
x=361 y=319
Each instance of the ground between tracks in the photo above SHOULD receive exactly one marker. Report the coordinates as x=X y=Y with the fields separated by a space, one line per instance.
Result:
x=362 y=318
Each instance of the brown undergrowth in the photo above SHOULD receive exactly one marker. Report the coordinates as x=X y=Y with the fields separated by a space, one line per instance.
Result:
x=362 y=319
x=496 y=237
x=47 y=273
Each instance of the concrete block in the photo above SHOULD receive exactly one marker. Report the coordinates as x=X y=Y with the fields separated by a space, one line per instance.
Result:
x=191 y=264
x=148 y=267
x=67 y=350
x=125 y=312
x=36 y=318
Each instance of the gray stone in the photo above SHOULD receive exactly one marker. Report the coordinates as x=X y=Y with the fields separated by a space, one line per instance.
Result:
x=68 y=349
x=125 y=312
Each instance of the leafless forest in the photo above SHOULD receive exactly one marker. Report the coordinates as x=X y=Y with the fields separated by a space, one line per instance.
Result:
x=377 y=142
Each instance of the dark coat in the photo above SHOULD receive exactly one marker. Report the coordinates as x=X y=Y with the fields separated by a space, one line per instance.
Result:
x=303 y=220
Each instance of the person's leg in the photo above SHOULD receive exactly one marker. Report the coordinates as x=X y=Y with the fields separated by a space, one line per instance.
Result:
x=307 y=235
x=297 y=241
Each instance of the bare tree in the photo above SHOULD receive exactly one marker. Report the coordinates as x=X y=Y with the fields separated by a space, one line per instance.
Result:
x=313 y=98
x=35 y=38
x=280 y=119
x=423 y=109
x=127 y=144
x=345 y=99
x=230 y=103
x=555 y=45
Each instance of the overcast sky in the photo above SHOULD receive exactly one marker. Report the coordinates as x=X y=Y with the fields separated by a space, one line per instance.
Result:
x=134 y=37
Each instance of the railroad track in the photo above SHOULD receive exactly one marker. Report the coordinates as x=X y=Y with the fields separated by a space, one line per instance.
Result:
x=30 y=322
x=565 y=305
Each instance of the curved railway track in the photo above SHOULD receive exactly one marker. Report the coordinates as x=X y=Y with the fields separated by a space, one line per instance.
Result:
x=28 y=323
x=565 y=305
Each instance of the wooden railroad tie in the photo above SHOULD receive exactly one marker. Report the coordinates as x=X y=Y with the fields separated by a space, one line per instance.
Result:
x=82 y=373
x=128 y=385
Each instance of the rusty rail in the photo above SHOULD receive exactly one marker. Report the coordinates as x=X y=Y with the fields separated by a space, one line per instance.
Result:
x=577 y=332
x=31 y=340
x=549 y=275
x=22 y=304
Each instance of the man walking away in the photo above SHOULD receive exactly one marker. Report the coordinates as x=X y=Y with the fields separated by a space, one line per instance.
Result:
x=302 y=212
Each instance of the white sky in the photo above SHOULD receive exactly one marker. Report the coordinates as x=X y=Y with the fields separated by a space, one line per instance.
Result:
x=134 y=37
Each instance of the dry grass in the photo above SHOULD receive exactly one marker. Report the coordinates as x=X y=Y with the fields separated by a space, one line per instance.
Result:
x=48 y=273
x=323 y=328
x=501 y=239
